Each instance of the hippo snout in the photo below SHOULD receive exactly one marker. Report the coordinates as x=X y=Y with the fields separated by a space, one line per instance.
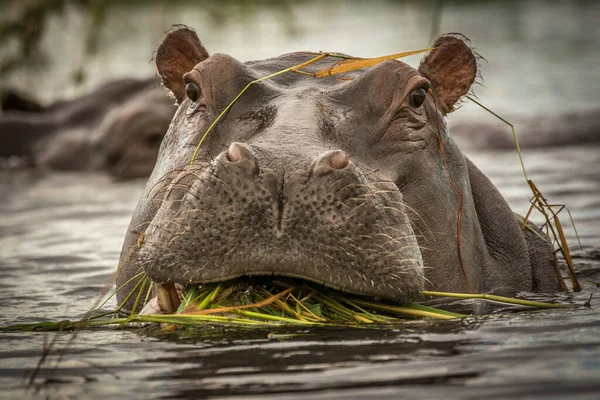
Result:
x=318 y=218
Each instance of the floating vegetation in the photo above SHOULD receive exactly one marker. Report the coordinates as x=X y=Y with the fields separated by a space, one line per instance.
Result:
x=263 y=301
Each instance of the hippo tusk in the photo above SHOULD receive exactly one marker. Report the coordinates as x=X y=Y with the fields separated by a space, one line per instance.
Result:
x=168 y=299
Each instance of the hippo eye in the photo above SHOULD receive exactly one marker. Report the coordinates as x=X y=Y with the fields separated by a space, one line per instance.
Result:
x=193 y=91
x=417 y=97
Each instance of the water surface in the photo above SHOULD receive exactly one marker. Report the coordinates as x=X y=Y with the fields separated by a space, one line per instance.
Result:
x=60 y=238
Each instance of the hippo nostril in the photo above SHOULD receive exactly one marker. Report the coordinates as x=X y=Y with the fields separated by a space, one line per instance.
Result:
x=234 y=154
x=241 y=155
x=328 y=162
x=339 y=160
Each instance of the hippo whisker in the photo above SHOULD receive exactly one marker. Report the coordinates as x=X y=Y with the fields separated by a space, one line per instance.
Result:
x=372 y=172
x=209 y=155
x=206 y=212
x=333 y=184
x=345 y=251
x=415 y=227
x=172 y=264
x=230 y=251
x=395 y=209
x=214 y=175
x=414 y=211
x=187 y=188
x=377 y=192
x=343 y=204
x=352 y=212
x=155 y=226
x=385 y=182
x=187 y=220
x=198 y=165
x=195 y=175
x=174 y=183
x=401 y=274
x=141 y=226
x=159 y=191
x=405 y=206
x=354 y=186
x=361 y=198
x=368 y=186
x=179 y=235
x=385 y=251
x=168 y=187
x=161 y=202
x=402 y=239
x=222 y=164
x=394 y=254
x=392 y=239
x=164 y=177
x=426 y=281
x=354 y=216
x=144 y=264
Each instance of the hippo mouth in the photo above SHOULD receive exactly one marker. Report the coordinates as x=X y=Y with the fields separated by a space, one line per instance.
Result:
x=332 y=226
x=398 y=280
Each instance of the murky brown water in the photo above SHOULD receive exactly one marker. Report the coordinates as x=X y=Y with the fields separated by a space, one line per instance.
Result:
x=61 y=234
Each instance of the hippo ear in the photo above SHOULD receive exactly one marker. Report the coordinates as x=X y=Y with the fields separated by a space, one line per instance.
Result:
x=179 y=53
x=451 y=68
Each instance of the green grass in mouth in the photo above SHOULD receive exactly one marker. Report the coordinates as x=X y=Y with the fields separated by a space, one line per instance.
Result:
x=265 y=301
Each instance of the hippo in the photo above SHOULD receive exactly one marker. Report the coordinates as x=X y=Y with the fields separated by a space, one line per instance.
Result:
x=535 y=131
x=117 y=128
x=349 y=181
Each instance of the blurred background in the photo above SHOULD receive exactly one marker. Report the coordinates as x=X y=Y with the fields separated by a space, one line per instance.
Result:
x=61 y=233
x=542 y=55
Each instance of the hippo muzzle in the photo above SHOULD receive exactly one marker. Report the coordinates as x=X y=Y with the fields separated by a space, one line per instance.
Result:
x=321 y=220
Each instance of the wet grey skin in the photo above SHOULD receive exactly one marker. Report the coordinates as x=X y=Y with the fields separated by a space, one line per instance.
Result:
x=116 y=128
x=339 y=182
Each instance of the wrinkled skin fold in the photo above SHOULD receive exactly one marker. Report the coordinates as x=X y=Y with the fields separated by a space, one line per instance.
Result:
x=350 y=183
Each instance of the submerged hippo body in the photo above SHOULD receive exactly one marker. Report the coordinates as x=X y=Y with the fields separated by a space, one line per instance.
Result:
x=354 y=183
x=555 y=129
x=117 y=127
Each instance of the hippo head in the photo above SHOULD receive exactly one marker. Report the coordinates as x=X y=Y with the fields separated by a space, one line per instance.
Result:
x=128 y=139
x=350 y=181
